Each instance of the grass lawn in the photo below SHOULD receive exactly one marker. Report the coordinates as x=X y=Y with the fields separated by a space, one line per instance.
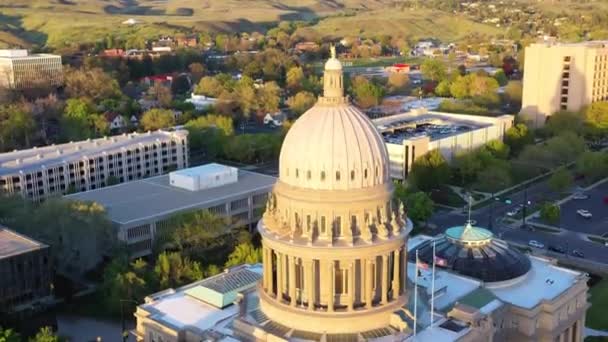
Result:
x=446 y=196
x=596 y=315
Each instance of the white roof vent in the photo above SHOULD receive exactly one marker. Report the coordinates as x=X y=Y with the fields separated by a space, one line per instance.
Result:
x=39 y=156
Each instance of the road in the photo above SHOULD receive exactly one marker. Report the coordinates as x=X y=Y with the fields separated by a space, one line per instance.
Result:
x=568 y=239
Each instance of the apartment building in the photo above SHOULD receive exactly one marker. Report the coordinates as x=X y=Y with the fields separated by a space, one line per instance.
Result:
x=141 y=210
x=562 y=76
x=37 y=173
x=21 y=70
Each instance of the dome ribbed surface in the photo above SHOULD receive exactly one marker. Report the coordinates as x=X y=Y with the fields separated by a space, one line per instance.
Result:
x=333 y=148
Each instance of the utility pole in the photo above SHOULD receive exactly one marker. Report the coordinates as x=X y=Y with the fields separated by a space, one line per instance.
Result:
x=525 y=211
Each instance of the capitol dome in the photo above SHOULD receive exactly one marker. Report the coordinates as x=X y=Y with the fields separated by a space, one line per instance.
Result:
x=333 y=146
x=333 y=237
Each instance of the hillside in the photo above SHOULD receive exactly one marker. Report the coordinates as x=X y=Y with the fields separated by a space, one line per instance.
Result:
x=63 y=22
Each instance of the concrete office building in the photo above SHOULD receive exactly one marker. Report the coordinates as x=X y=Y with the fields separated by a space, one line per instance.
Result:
x=561 y=76
x=25 y=272
x=140 y=209
x=90 y=164
x=337 y=260
x=410 y=135
x=20 y=70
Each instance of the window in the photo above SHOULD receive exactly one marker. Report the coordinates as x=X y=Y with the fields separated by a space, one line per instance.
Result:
x=337 y=175
x=365 y=173
x=341 y=281
x=352 y=175
x=308 y=174
x=322 y=175
x=322 y=224
x=297 y=173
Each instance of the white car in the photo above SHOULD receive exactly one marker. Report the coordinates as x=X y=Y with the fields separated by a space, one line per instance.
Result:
x=584 y=213
x=513 y=212
x=536 y=244
x=580 y=196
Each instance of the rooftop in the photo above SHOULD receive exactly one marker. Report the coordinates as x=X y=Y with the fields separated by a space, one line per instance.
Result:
x=468 y=233
x=34 y=158
x=12 y=243
x=181 y=310
x=155 y=197
x=434 y=125
x=22 y=54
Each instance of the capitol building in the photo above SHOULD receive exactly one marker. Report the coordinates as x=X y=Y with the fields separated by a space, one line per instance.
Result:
x=339 y=265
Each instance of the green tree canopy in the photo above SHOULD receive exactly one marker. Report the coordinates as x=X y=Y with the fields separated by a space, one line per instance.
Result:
x=209 y=86
x=565 y=121
x=9 y=335
x=561 y=180
x=596 y=115
x=513 y=92
x=301 y=102
x=429 y=171
x=366 y=93
x=294 y=78
x=156 y=119
x=550 y=213
x=433 y=69
x=517 y=137
x=498 y=149
x=244 y=253
x=93 y=84
x=420 y=206
x=46 y=334
x=594 y=165
x=501 y=78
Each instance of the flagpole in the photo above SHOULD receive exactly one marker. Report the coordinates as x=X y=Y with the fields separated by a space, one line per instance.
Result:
x=433 y=286
x=416 y=296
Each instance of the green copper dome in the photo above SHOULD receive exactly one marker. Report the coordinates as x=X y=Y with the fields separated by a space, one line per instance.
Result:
x=468 y=233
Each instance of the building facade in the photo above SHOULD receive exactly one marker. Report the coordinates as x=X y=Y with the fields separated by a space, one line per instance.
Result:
x=25 y=272
x=410 y=135
x=142 y=210
x=20 y=70
x=563 y=77
x=37 y=173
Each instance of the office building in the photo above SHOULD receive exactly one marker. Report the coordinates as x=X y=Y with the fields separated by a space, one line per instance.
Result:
x=90 y=164
x=337 y=260
x=410 y=135
x=21 y=70
x=560 y=76
x=25 y=272
x=141 y=209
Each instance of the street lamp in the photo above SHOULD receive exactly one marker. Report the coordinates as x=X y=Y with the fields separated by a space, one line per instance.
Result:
x=125 y=334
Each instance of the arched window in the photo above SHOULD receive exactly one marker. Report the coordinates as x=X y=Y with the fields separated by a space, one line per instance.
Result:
x=365 y=173
x=308 y=174
x=352 y=175
x=376 y=170
x=322 y=175
x=297 y=173
x=337 y=175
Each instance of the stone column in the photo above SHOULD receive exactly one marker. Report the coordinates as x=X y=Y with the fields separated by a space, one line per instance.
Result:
x=280 y=272
x=384 y=278
x=292 y=280
x=309 y=283
x=267 y=269
x=271 y=264
x=332 y=279
x=369 y=274
x=396 y=280
x=351 y=285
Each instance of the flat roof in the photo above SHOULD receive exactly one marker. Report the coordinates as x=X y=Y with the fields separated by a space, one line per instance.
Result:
x=179 y=310
x=155 y=197
x=434 y=125
x=12 y=243
x=211 y=168
x=34 y=158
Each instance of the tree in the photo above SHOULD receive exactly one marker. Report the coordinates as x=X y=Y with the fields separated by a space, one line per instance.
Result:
x=366 y=93
x=173 y=270
x=433 y=69
x=244 y=253
x=501 y=78
x=16 y=126
x=162 y=94
x=397 y=82
x=467 y=166
x=301 y=102
x=8 y=335
x=482 y=86
x=498 y=149
x=294 y=78
x=420 y=207
x=75 y=119
x=268 y=97
x=197 y=71
x=460 y=87
x=443 y=89
x=593 y=165
x=517 y=137
x=494 y=178
x=156 y=119
x=513 y=92
x=93 y=84
x=209 y=86
x=596 y=115
x=550 y=213
x=560 y=180
x=565 y=121
x=429 y=171
x=45 y=334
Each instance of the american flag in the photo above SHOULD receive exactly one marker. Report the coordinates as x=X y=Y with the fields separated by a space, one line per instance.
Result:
x=423 y=265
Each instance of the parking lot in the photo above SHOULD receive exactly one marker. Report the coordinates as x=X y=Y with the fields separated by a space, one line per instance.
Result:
x=598 y=223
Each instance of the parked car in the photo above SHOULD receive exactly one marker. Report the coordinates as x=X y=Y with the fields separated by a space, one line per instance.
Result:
x=536 y=244
x=580 y=196
x=578 y=253
x=584 y=213
x=557 y=249
x=514 y=211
